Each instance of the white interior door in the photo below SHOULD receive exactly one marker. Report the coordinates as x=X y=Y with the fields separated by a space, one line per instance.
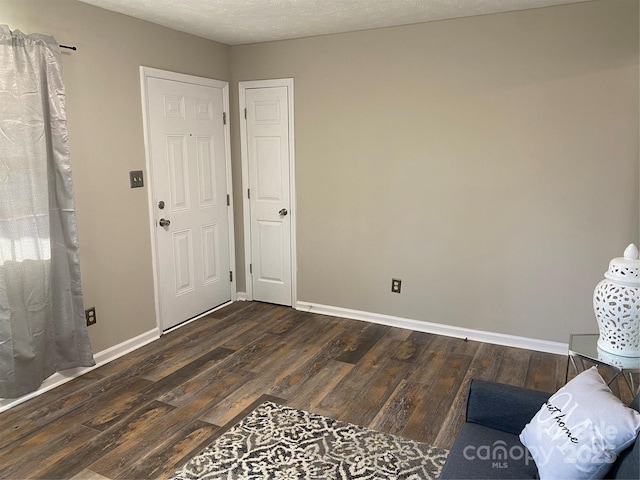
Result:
x=188 y=162
x=268 y=150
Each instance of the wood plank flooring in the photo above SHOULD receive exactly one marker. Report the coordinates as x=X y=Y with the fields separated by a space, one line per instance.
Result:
x=146 y=413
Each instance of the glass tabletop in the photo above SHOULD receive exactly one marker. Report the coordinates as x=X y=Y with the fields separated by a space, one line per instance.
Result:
x=585 y=345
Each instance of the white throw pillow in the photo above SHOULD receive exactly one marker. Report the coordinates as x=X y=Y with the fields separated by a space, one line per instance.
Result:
x=579 y=432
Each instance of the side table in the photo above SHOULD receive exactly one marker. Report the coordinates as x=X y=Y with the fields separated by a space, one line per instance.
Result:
x=585 y=347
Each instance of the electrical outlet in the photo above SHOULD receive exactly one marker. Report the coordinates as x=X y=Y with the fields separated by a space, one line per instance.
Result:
x=136 y=179
x=90 y=314
x=396 y=285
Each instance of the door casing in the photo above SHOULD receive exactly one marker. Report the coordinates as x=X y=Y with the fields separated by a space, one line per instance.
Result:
x=246 y=206
x=148 y=72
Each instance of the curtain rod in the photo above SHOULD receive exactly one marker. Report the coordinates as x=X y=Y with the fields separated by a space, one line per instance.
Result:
x=67 y=46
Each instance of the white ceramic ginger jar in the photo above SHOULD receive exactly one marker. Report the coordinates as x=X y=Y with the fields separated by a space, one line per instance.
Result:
x=616 y=303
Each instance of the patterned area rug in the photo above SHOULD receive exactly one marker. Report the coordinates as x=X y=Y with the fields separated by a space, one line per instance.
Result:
x=276 y=442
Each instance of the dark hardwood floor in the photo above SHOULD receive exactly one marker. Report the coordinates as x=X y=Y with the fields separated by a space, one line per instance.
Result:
x=146 y=413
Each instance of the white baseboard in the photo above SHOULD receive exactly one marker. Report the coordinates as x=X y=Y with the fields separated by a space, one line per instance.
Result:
x=105 y=356
x=242 y=296
x=438 y=328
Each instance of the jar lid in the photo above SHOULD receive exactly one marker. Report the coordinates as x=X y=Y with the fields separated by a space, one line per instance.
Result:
x=626 y=269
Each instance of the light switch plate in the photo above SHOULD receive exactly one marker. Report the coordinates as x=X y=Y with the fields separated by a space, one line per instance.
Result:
x=136 y=179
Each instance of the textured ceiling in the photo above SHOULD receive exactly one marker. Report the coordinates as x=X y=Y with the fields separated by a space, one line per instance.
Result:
x=236 y=22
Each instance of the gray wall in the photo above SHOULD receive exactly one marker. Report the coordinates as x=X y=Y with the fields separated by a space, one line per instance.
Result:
x=104 y=115
x=491 y=163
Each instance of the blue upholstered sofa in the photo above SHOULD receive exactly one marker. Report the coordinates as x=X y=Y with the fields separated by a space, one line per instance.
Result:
x=487 y=445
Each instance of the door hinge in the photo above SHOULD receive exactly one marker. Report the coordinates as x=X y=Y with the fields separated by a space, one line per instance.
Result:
x=248 y=193
x=224 y=118
x=251 y=268
x=230 y=276
x=245 y=113
x=228 y=200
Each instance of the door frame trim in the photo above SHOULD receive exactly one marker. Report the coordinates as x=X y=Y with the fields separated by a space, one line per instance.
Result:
x=145 y=74
x=246 y=207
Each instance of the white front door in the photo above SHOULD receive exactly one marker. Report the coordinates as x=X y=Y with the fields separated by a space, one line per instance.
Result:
x=267 y=146
x=188 y=162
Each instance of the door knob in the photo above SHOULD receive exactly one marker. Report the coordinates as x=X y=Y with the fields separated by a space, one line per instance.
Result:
x=283 y=212
x=164 y=222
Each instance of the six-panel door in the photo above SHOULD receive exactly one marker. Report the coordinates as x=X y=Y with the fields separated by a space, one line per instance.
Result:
x=189 y=176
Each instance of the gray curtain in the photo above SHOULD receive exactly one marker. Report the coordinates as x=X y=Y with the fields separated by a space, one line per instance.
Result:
x=42 y=323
